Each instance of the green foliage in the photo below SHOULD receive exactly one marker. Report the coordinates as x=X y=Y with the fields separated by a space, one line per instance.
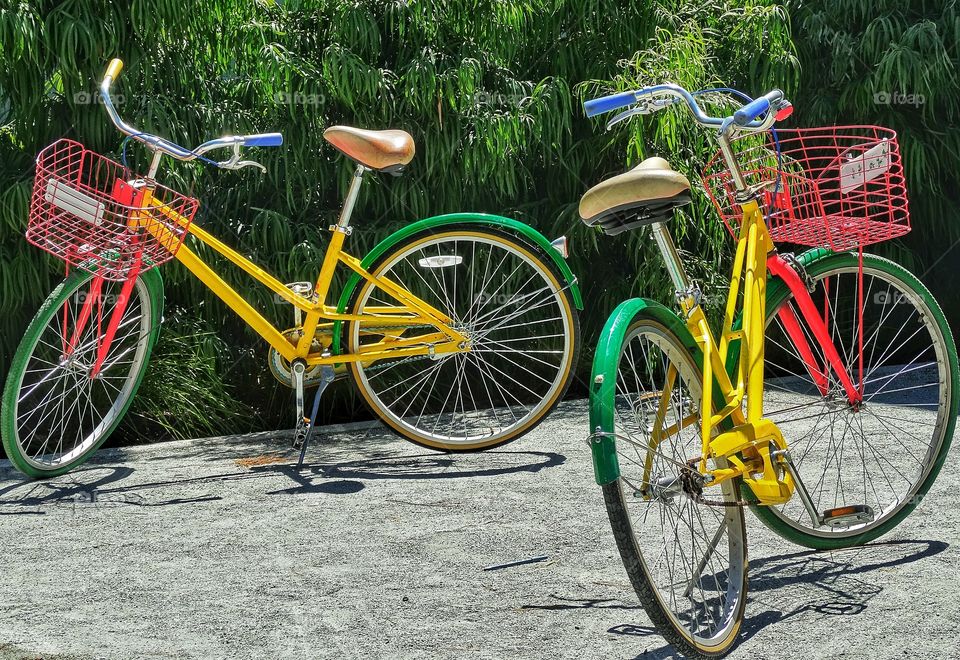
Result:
x=183 y=394
x=490 y=90
x=697 y=46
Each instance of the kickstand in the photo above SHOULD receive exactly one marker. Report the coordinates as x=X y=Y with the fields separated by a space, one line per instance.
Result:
x=326 y=377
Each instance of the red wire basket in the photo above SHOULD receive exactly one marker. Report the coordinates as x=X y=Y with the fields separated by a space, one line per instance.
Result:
x=840 y=187
x=87 y=210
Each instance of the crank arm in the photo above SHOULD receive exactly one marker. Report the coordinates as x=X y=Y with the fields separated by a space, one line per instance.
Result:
x=801 y=489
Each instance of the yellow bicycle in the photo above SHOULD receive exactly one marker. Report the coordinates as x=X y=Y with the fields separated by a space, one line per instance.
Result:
x=827 y=401
x=460 y=331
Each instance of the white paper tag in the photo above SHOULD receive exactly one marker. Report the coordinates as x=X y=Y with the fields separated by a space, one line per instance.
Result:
x=868 y=166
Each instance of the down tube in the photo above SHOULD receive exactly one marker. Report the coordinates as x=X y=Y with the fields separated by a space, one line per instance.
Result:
x=811 y=316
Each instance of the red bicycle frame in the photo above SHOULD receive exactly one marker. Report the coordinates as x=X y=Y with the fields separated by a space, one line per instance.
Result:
x=818 y=328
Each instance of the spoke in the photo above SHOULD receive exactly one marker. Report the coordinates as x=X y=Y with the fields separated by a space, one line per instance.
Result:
x=514 y=300
x=522 y=325
x=482 y=366
x=907 y=368
x=549 y=299
x=426 y=400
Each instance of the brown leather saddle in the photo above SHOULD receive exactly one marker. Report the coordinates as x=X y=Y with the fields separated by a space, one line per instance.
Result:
x=384 y=151
x=646 y=194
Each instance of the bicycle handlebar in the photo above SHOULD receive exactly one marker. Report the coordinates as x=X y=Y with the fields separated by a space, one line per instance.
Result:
x=173 y=149
x=746 y=117
x=610 y=103
x=263 y=140
x=756 y=107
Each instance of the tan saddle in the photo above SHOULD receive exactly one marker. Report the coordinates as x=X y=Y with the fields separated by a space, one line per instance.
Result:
x=385 y=151
x=646 y=194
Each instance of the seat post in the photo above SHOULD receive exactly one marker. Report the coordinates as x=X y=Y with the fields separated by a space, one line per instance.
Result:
x=351 y=198
x=332 y=256
x=670 y=257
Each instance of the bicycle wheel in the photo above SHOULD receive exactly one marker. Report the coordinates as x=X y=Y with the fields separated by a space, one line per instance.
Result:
x=54 y=415
x=887 y=453
x=687 y=560
x=506 y=296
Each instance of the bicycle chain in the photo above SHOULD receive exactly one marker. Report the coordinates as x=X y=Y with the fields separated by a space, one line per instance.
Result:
x=691 y=486
x=393 y=363
x=695 y=486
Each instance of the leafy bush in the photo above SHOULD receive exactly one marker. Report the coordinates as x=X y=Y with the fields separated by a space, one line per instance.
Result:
x=186 y=392
x=486 y=88
x=895 y=63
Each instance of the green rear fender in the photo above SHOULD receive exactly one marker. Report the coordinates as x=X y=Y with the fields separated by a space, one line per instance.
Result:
x=441 y=221
x=603 y=379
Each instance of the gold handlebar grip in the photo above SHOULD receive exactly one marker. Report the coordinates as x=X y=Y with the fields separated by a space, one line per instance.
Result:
x=113 y=71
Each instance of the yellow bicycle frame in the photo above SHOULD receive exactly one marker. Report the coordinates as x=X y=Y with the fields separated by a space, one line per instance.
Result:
x=411 y=311
x=746 y=448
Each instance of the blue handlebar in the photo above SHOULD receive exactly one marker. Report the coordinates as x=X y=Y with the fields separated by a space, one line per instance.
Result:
x=604 y=104
x=263 y=140
x=747 y=117
x=751 y=111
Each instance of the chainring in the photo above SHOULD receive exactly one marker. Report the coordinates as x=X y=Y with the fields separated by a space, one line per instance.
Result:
x=280 y=367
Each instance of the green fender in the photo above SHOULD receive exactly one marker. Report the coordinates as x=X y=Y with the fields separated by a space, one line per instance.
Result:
x=439 y=221
x=606 y=468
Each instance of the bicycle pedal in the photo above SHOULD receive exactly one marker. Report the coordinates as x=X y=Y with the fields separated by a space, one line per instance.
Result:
x=848 y=516
x=300 y=433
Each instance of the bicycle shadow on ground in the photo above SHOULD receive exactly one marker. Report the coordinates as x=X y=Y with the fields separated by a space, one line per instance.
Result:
x=816 y=584
x=111 y=485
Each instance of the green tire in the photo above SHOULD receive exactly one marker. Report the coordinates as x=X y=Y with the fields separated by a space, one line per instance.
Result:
x=820 y=263
x=150 y=290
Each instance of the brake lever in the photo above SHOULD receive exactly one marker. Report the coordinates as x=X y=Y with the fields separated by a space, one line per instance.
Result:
x=626 y=114
x=234 y=163
x=643 y=107
x=250 y=163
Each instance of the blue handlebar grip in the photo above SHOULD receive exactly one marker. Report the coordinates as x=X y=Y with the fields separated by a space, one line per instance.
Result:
x=263 y=140
x=751 y=111
x=604 y=104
